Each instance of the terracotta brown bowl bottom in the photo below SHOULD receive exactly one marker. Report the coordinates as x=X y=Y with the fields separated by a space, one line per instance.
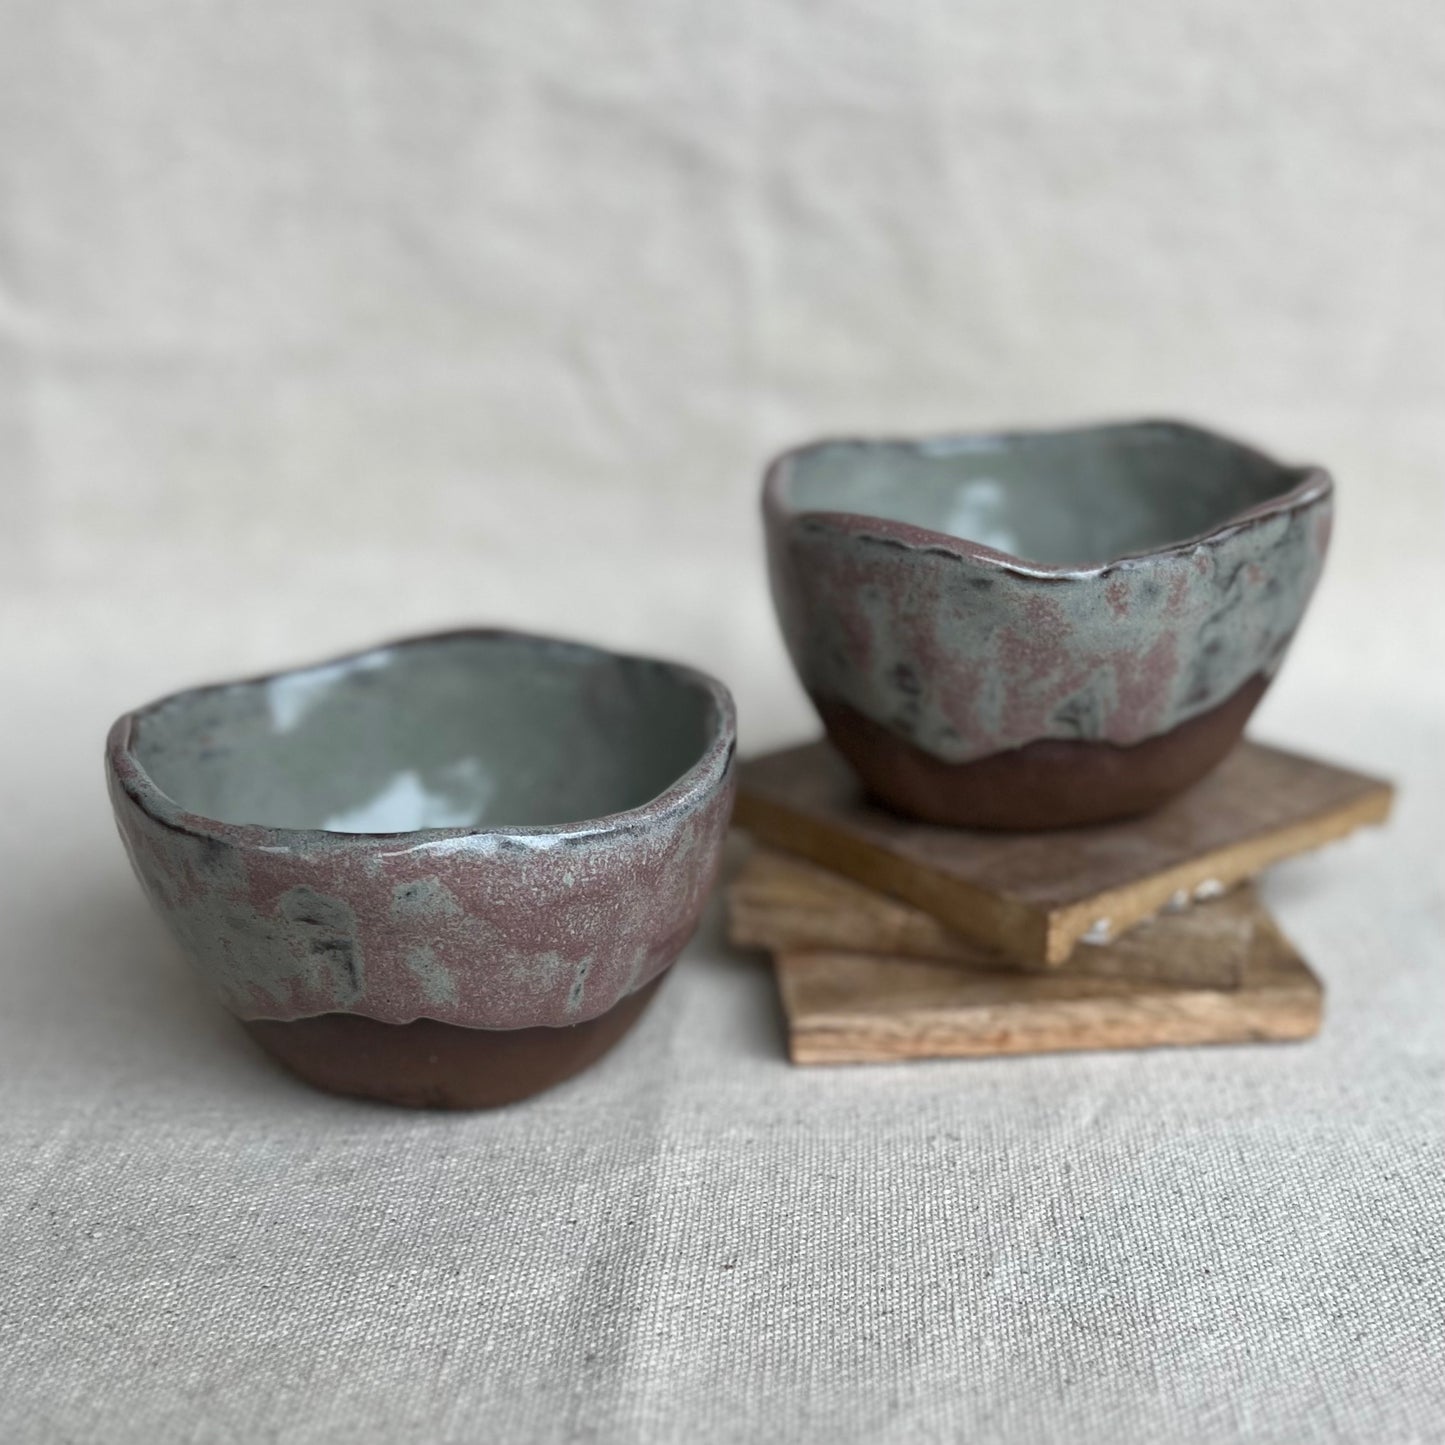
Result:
x=431 y=1065
x=1042 y=785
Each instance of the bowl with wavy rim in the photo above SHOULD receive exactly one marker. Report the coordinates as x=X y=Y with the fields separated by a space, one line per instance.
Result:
x=1040 y=629
x=448 y=872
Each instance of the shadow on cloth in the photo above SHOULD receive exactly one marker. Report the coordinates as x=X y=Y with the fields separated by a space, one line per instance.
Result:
x=118 y=1007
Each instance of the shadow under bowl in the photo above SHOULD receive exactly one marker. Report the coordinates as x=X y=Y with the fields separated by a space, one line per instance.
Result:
x=1041 y=629
x=449 y=872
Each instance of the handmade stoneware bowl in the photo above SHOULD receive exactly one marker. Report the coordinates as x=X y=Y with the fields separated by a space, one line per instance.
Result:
x=448 y=872
x=1040 y=629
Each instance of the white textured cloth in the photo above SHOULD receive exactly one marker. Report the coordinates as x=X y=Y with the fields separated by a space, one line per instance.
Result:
x=325 y=323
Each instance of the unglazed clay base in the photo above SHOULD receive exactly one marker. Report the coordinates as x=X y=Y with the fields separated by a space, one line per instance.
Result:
x=1044 y=784
x=431 y=1065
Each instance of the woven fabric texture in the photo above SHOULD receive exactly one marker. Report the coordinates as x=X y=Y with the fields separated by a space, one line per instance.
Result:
x=323 y=324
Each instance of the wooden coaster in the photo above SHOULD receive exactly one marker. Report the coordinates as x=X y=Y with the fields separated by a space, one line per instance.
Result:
x=788 y=905
x=850 y=1008
x=1034 y=896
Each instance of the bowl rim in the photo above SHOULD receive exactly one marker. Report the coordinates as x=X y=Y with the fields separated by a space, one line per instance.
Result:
x=1308 y=484
x=699 y=782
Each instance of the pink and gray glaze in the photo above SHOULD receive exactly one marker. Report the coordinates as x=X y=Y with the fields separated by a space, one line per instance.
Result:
x=484 y=829
x=1018 y=604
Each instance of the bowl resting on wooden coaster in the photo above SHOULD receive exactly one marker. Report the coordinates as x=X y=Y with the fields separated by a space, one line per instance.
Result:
x=1040 y=629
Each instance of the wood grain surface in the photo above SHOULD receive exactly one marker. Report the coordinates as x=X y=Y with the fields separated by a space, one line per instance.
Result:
x=1035 y=896
x=787 y=905
x=846 y=1008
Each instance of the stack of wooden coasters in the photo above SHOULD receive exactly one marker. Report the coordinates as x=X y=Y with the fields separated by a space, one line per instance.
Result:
x=900 y=940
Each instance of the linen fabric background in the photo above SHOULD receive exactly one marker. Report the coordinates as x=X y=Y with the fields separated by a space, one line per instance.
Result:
x=326 y=323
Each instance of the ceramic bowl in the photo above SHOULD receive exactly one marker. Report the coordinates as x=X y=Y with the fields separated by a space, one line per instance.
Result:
x=1042 y=629
x=446 y=872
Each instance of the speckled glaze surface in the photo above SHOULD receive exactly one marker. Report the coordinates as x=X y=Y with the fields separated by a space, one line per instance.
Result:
x=975 y=600
x=485 y=829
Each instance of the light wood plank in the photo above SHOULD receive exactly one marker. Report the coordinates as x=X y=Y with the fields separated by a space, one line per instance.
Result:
x=866 y=1008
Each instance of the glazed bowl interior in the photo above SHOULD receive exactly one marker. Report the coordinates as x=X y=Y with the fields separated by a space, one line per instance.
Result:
x=466 y=731
x=1071 y=498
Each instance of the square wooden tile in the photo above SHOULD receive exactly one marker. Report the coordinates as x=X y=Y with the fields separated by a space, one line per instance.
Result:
x=785 y=904
x=1033 y=897
x=849 y=1008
